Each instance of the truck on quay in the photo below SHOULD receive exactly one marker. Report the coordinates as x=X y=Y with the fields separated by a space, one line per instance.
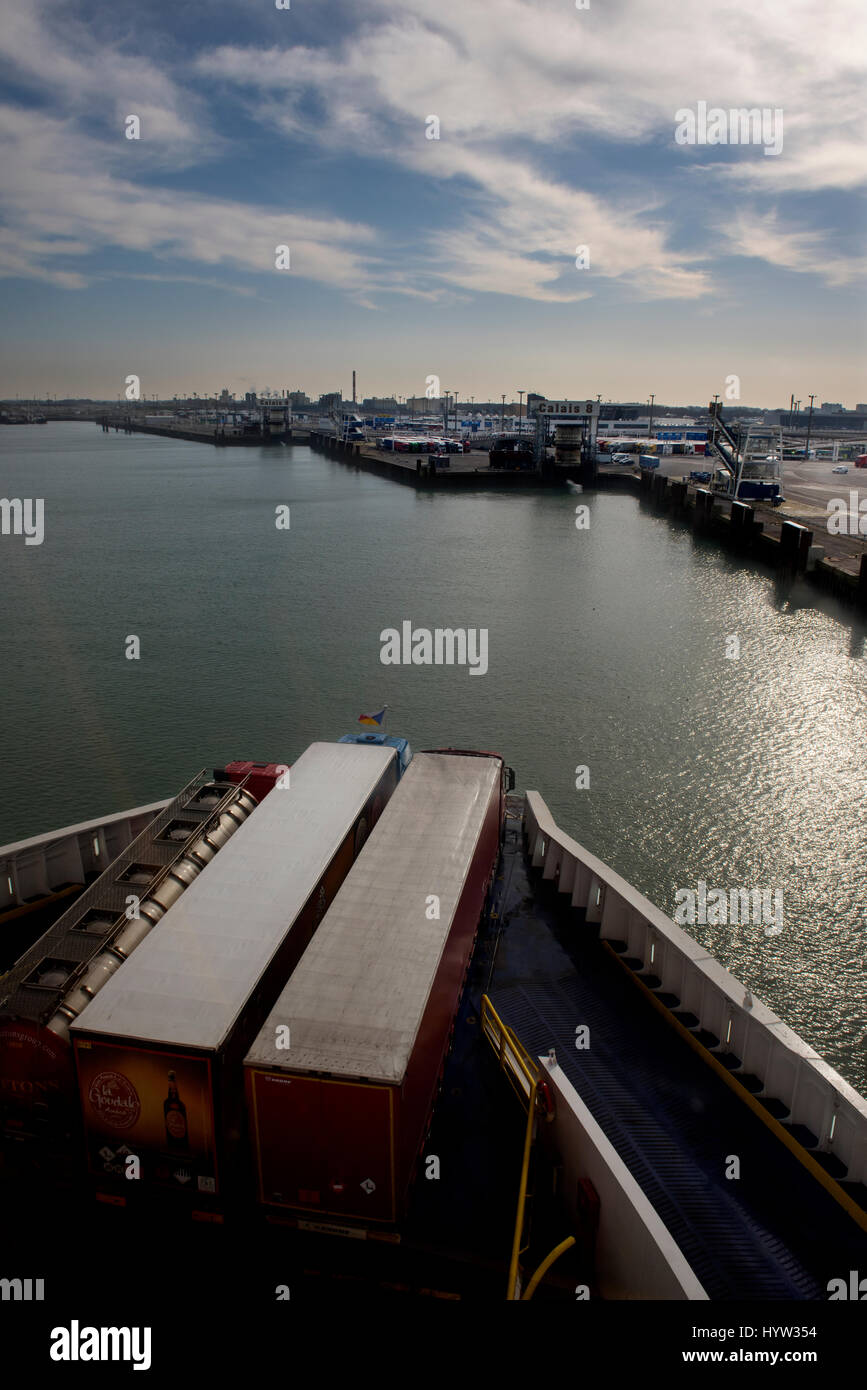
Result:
x=342 y=1078
x=158 y=1051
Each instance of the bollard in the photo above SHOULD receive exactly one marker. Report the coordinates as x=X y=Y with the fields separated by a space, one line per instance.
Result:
x=678 y=491
x=795 y=542
x=704 y=500
x=862 y=581
x=741 y=519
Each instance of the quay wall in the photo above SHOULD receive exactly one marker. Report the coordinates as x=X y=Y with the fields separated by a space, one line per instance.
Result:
x=747 y=529
x=415 y=470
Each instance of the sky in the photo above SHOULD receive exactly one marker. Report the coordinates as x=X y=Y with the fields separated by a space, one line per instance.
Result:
x=706 y=267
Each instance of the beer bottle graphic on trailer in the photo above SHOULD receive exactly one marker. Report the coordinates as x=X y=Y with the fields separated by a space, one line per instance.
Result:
x=176 y=1116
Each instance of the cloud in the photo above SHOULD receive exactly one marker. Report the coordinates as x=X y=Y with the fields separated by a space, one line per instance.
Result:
x=517 y=85
x=57 y=194
x=511 y=81
x=541 y=71
x=762 y=237
x=77 y=69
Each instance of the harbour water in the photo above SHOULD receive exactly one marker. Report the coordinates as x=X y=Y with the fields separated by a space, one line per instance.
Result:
x=607 y=649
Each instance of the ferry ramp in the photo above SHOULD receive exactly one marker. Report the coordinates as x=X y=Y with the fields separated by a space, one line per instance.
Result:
x=772 y=1233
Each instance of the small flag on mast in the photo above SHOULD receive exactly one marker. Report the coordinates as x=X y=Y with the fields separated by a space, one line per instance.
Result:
x=373 y=719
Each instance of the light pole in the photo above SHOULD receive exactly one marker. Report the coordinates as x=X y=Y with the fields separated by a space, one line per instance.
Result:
x=650 y=421
x=521 y=395
x=503 y=415
x=809 y=424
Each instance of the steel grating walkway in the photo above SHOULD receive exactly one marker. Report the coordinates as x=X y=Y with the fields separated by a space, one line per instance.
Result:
x=773 y=1234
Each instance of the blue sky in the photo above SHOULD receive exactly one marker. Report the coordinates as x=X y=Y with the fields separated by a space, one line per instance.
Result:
x=413 y=256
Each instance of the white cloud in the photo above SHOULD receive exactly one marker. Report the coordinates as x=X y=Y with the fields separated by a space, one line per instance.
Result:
x=543 y=72
x=84 y=75
x=510 y=80
x=762 y=237
x=57 y=192
x=513 y=83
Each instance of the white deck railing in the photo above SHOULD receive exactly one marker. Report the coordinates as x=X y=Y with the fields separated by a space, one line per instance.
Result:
x=35 y=868
x=791 y=1071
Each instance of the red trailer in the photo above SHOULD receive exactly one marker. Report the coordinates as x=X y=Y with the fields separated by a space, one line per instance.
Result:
x=342 y=1079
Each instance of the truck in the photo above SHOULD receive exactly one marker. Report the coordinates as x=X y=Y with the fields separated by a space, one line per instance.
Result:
x=158 y=1051
x=382 y=740
x=342 y=1077
x=57 y=977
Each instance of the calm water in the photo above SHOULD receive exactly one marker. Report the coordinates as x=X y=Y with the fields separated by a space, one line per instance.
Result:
x=606 y=648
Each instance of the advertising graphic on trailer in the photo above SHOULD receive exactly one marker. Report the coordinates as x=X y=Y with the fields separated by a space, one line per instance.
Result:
x=155 y=1106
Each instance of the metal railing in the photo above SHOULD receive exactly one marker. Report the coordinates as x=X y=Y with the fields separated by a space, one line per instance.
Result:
x=523 y=1075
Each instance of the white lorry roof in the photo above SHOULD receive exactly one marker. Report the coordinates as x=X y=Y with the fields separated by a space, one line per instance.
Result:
x=356 y=1000
x=191 y=976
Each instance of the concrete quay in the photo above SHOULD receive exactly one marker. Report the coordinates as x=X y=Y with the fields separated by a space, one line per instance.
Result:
x=203 y=434
x=457 y=471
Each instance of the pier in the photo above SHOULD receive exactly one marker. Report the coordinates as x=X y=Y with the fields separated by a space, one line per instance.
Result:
x=427 y=471
x=218 y=435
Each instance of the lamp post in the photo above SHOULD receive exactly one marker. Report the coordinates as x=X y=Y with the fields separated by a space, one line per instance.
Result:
x=503 y=414
x=521 y=395
x=809 y=425
x=650 y=421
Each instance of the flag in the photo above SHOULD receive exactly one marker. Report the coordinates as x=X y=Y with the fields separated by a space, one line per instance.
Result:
x=373 y=719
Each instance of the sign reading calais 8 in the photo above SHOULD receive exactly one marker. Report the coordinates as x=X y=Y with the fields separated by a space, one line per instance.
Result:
x=155 y=1105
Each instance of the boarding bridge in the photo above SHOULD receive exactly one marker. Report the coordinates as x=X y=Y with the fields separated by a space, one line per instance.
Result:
x=755 y=457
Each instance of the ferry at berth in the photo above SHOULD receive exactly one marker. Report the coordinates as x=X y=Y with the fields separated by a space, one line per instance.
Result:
x=373 y=1016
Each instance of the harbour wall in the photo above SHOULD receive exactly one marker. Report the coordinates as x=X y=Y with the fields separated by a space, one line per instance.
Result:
x=755 y=531
x=415 y=470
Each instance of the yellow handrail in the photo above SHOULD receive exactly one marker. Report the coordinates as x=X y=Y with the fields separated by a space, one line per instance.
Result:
x=514 y=1059
x=522 y=1072
x=511 y=1289
x=546 y=1265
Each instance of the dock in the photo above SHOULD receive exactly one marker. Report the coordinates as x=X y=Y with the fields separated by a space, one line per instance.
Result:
x=430 y=472
x=203 y=433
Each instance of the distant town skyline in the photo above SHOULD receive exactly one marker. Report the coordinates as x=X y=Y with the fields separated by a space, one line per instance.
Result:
x=305 y=401
x=244 y=196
